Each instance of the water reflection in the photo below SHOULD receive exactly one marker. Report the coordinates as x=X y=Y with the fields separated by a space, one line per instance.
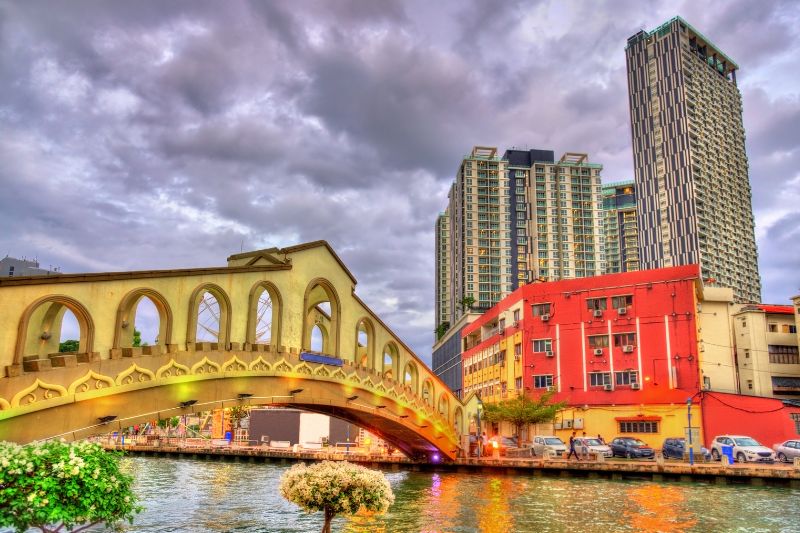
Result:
x=203 y=496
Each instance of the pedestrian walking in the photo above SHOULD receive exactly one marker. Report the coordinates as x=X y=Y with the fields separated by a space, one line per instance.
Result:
x=572 y=447
x=600 y=438
x=484 y=443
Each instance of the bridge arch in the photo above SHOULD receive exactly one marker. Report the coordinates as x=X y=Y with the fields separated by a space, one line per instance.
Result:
x=126 y=315
x=321 y=290
x=365 y=343
x=443 y=405
x=458 y=420
x=389 y=361
x=40 y=322
x=224 y=334
x=411 y=376
x=428 y=392
x=253 y=311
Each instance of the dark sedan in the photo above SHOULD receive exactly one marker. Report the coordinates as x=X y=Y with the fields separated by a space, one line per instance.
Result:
x=676 y=448
x=631 y=448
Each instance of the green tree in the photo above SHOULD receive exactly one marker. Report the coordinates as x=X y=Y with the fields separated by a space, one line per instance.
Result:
x=522 y=411
x=70 y=345
x=55 y=486
x=336 y=487
x=137 y=338
x=467 y=302
x=441 y=329
x=238 y=413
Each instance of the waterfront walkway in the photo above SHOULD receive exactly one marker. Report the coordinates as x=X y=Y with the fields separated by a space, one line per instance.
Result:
x=755 y=474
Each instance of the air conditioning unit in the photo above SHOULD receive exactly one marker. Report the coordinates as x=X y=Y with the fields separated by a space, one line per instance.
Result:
x=516 y=357
x=549 y=353
x=567 y=424
x=628 y=348
x=622 y=311
x=598 y=313
x=557 y=425
x=608 y=386
x=551 y=389
x=545 y=317
x=598 y=351
x=501 y=332
x=515 y=324
x=635 y=386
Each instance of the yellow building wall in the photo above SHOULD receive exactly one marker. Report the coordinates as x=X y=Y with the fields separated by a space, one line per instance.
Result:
x=715 y=337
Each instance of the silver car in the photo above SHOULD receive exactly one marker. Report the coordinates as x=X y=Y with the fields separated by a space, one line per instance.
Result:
x=592 y=445
x=787 y=450
x=549 y=442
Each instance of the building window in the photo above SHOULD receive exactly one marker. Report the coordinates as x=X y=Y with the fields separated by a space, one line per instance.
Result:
x=540 y=309
x=749 y=384
x=772 y=328
x=543 y=381
x=625 y=339
x=784 y=355
x=788 y=328
x=599 y=379
x=598 y=341
x=596 y=304
x=618 y=302
x=11 y=270
x=518 y=383
x=627 y=377
x=638 y=427
x=796 y=418
x=502 y=324
x=542 y=345
x=517 y=349
x=516 y=315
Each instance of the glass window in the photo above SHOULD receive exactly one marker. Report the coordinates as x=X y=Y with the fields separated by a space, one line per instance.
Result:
x=627 y=377
x=540 y=309
x=598 y=341
x=596 y=304
x=542 y=345
x=618 y=302
x=599 y=379
x=625 y=339
x=543 y=381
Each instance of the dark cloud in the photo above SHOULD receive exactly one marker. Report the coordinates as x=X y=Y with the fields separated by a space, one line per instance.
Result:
x=264 y=124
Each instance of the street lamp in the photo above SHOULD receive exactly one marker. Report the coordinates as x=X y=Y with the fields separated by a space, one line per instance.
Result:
x=689 y=436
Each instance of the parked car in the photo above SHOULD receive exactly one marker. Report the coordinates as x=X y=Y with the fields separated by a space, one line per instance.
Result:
x=676 y=448
x=593 y=445
x=500 y=443
x=544 y=443
x=788 y=450
x=631 y=448
x=745 y=449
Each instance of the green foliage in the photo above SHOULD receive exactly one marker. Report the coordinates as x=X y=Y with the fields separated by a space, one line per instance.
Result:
x=173 y=422
x=137 y=338
x=336 y=487
x=70 y=345
x=522 y=410
x=441 y=329
x=467 y=302
x=238 y=413
x=55 y=486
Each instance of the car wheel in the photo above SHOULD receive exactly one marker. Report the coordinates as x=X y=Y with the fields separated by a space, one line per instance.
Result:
x=740 y=458
x=782 y=458
x=715 y=455
x=628 y=455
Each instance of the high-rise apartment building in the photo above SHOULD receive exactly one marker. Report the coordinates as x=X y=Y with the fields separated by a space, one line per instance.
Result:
x=556 y=212
x=443 y=269
x=692 y=186
x=479 y=230
x=620 y=231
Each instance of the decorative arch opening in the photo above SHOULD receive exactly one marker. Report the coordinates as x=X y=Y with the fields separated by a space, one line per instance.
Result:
x=209 y=316
x=323 y=310
x=458 y=420
x=40 y=329
x=411 y=376
x=365 y=344
x=390 y=361
x=264 y=315
x=145 y=311
x=444 y=405
x=319 y=338
x=427 y=392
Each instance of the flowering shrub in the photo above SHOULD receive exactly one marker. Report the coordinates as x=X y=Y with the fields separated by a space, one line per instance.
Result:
x=336 y=487
x=55 y=486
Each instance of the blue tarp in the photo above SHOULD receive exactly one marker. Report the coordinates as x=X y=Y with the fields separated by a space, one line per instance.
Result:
x=319 y=358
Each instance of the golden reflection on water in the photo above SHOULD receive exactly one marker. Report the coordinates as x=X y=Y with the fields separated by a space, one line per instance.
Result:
x=658 y=508
x=493 y=510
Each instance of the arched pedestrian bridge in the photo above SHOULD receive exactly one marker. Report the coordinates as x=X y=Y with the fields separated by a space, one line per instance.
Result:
x=268 y=309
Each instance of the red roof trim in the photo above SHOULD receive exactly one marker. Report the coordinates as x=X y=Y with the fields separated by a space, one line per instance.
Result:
x=777 y=309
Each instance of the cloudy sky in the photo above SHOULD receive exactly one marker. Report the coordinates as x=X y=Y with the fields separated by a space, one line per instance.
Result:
x=147 y=135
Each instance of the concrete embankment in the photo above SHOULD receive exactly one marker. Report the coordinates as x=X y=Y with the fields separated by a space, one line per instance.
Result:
x=753 y=474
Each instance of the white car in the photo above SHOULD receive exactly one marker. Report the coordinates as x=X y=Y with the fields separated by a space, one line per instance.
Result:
x=593 y=445
x=544 y=443
x=745 y=449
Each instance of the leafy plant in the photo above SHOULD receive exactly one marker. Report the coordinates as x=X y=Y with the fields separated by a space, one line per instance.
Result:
x=238 y=413
x=522 y=411
x=336 y=487
x=467 y=302
x=441 y=329
x=68 y=346
x=55 y=486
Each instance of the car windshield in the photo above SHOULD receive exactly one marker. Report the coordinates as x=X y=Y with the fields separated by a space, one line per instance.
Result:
x=746 y=441
x=593 y=442
x=553 y=441
x=636 y=442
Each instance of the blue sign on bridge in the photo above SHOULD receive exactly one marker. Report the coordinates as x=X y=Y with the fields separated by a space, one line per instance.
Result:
x=319 y=358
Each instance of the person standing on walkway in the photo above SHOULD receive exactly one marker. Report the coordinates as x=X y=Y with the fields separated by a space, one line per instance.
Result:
x=600 y=438
x=572 y=447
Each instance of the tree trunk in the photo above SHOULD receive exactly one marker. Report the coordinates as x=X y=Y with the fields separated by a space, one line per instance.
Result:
x=328 y=519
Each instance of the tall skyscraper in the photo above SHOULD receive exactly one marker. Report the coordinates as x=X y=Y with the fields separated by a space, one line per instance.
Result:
x=443 y=269
x=620 y=231
x=556 y=216
x=693 y=192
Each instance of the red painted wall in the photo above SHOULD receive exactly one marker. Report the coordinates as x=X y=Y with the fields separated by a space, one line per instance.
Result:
x=765 y=419
x=659 y=296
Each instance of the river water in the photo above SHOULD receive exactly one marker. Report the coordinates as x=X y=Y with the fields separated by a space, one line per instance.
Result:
x=184 y=495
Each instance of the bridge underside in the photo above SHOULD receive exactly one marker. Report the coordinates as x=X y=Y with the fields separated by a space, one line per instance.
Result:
x=355 y=395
